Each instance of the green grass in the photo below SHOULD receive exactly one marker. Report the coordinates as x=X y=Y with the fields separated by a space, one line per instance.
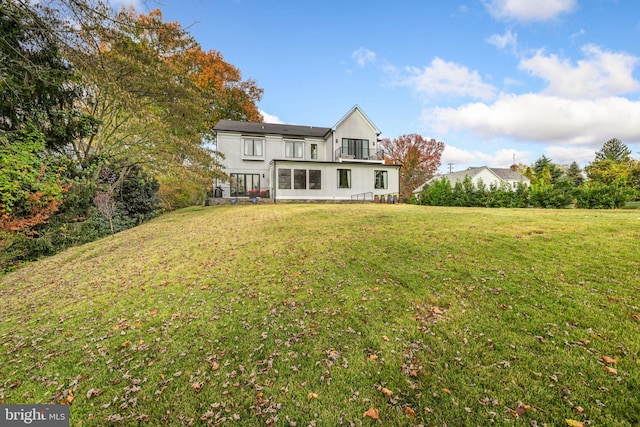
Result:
x=302 y=314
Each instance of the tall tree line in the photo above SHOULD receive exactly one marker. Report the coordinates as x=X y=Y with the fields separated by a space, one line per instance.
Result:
x=98 y=102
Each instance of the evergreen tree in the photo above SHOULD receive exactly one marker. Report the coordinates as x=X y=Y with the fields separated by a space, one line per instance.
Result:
x=574 y=174
x=614 y=150
x=545 y=169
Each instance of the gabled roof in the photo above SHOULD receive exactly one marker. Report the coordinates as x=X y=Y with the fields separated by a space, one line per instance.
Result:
x=271 y=129
x=502 y=174
x=353 y=110
x=509 y=174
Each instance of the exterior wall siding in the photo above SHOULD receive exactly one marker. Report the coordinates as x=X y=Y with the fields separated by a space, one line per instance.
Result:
x=362 y=180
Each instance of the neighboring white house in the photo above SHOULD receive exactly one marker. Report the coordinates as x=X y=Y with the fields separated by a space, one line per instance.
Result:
x=488 y=176
x=290 y=162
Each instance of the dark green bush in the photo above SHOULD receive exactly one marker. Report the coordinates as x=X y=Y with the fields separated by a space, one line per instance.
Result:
x=595 y=195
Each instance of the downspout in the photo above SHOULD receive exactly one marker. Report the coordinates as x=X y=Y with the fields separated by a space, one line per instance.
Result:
x=332 y=145
x=399 y=183
x=273 y=180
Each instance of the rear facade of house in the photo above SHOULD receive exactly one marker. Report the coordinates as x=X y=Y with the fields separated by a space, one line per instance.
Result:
x=280 y=162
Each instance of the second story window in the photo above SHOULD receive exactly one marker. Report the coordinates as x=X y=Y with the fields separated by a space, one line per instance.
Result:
x=294 y=149
x=253 y=148
x=314 y=151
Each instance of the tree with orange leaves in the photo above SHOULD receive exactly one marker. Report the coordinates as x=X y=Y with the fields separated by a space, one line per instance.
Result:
x=158 y=95
x=419 y=157
x=30 y=190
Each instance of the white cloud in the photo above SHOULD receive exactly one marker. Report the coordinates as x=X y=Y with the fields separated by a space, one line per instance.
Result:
x=543 y=118
x=270 y=118
x=363 y=56
x=448 y=78
x=601 y=73
x=457 y=156
x=507 y=40
x=575 y=36
x=461 y=158
x=566 y=155
x=529 y=10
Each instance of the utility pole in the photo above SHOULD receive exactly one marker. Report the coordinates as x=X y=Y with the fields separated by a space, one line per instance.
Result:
x=450 y=167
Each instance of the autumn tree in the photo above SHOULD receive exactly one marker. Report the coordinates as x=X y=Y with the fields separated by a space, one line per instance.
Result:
x=30 y=189
x=38 y=113
x=157 y=95
x=419 y=157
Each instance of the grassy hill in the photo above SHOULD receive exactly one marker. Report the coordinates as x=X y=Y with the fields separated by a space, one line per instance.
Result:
x=335 y=315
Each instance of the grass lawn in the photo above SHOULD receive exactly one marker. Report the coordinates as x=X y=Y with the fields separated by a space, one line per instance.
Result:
x=335 y=315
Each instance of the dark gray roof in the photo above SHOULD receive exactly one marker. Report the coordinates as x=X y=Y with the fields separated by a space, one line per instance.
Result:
x=508 y=174
x=271 y=129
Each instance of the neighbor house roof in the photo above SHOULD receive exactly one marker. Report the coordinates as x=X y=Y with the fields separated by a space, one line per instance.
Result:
x=503 y=174
x=271 y=129
x=509 y=174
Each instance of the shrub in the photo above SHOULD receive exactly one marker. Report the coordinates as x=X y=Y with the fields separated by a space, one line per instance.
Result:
x=595 y=195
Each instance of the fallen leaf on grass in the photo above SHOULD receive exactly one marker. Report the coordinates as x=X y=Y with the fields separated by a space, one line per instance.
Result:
x=373 y=357
x=520 y=410
x=446 y=390
x=372 y=413
x=68 y=398
x=153 y=312
x=410 y=412
x=93 y=393
x=312 y=396
x=215 y=365
x=385 y=338
x=609 y=360
x=436 y=310
x=612 y=371
x=197 y=386
x=574 y=423
x=579 y=409
x=386 y=392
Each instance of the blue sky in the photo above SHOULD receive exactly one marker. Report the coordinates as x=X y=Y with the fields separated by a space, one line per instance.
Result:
x=493 y=79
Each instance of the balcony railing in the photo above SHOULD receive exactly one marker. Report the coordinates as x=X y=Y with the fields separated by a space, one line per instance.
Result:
x=363 y=154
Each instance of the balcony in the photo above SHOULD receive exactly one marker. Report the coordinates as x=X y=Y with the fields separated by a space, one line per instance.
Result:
x=360 y=154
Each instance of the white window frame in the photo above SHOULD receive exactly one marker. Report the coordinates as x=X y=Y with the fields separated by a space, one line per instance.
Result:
x=384 y=181
x=297 y=147
x=347 y=178
x=256 y=151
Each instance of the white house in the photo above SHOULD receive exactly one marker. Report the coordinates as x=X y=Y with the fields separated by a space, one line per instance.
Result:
x=291 y=162
x=488 y=176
